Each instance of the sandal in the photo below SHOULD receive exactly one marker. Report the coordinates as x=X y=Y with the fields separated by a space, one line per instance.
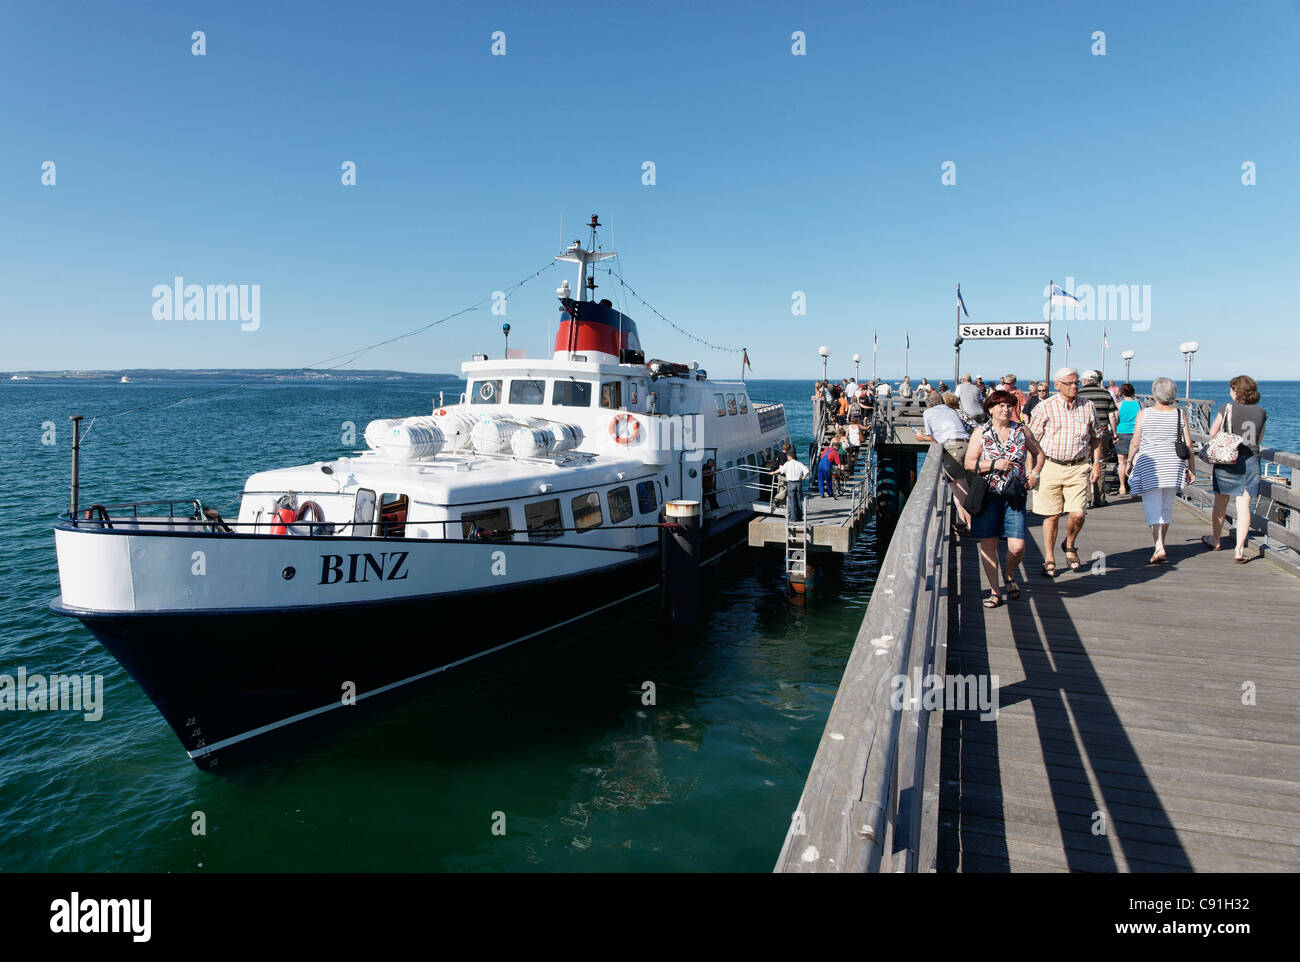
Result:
x=1049 y=569
x=1013 y=590
x=1209 y=542
x=993 y=601
x=1075 y=563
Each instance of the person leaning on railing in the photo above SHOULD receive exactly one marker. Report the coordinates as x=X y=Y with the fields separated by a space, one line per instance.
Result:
x=943 y=426
x=1244 y=418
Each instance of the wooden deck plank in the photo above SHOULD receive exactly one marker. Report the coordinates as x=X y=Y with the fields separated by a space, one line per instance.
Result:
x=1268 y=798
x=1229 y=821
x=1118 y=695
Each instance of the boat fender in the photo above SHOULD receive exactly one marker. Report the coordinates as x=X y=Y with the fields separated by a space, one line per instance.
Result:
x=631 y=435
x=283 y=516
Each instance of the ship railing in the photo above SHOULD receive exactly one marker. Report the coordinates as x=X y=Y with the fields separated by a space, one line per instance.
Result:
x=103 y=517
x=98 y=514
x=865 y=805
x=771 y=414
x=733 y=493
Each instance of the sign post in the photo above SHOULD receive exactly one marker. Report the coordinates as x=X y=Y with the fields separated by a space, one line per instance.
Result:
x=1005 y=331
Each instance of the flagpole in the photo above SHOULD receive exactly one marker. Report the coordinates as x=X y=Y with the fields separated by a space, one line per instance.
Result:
x=1047 y=375
x=1067 y=345
x=907 y=349
x=1102 y=370
x=875 y=343
x=956 y=364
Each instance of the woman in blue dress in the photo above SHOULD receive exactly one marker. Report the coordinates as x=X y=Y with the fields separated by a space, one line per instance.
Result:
x=1129 y=406
x=1156 y=472
x=1244 y=418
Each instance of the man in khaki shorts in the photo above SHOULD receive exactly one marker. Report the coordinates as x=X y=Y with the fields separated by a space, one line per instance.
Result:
x=1065 y=429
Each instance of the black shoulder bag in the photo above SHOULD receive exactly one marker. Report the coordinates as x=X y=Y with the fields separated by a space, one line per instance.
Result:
x=1180 y=446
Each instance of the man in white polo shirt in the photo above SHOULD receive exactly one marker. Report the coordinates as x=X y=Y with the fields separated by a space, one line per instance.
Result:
x=945 y=426
x=794 y=472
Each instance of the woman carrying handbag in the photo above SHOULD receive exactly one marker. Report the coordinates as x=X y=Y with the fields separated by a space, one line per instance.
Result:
x=1162 y=461
x=1236 y=465
x=1004 y=461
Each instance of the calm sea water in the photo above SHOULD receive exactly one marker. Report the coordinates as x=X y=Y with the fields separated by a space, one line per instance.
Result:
x=552 y=735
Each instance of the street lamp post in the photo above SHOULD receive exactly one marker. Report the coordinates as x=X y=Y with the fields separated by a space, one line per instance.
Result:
x=505 y=329
x=1189 y=348
x=825 y=352
x=1128 y=361
x=857 y=359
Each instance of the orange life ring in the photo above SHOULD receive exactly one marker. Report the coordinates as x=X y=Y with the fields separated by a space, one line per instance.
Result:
x=633 y=432
x=441 y=412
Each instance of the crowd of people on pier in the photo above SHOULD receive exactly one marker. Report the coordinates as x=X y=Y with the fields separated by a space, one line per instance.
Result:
x=998 y=443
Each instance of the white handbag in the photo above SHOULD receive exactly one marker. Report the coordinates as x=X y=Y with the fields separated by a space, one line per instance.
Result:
x=1223 y=447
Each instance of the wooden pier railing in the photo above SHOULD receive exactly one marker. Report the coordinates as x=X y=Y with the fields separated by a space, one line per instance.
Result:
x=871 y=801
x=864 y=806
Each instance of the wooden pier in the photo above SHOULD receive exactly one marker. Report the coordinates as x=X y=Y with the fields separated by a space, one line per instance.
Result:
x=1145 y=714
x=834 y=523
x=1147 y=717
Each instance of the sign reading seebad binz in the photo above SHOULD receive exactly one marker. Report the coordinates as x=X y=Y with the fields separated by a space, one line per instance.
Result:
x=975 y=332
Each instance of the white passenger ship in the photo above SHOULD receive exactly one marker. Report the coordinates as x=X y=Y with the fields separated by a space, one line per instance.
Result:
x=533 y=502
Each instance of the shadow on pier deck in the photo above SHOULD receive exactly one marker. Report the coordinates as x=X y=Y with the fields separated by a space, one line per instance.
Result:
x=1146 y=714
x=1126 y=739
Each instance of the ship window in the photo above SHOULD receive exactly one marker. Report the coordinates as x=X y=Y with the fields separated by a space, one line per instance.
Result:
x=491 y=525
x=573 y=394
x=527 y=391
x=645 y=497
x=543 y=520
x=743 y=402
x=586 y=511
x=611 y=394
x=750 y=459
x=731 y=404
x=721 y=403
x=392 y=515
x=620 y=504
x=485 y=392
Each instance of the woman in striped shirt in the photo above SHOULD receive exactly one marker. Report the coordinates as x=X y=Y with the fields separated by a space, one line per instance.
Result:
x=1156 y=472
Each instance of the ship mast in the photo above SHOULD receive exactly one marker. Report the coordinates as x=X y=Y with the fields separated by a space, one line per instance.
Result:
x=586 y=281
x=575 y=253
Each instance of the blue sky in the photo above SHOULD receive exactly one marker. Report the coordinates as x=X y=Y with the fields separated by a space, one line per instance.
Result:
x=775 y=173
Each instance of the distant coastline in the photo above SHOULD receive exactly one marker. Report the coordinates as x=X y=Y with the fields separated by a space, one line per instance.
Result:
x=146 y=375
